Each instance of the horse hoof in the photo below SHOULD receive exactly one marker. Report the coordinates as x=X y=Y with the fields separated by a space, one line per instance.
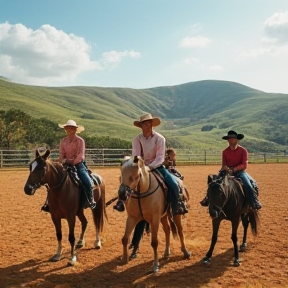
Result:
x=187 y=255
x=97 y=245
x=80 y=244
x=55 y=258
x=243 y=247
x=133 y=256
x=206 y=260
x=236 y=263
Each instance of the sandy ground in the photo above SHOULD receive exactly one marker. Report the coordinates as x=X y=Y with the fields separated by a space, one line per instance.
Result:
x=27 y=240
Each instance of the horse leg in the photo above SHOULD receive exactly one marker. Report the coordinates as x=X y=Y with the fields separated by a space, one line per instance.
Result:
x=98 y=217
x=137 y=235
x=154 y=243
x=245 y=224
x=178 y=222
x=84 y=222
x=215 y=224
x=166 y=228
x=130 y=224
x=59 y=250
x=71 y=238
x=234 y=239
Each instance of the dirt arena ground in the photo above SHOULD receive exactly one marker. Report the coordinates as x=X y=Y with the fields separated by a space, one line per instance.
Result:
x=27 y=240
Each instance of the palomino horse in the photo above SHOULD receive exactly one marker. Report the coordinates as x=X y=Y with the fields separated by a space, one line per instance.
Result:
x=227 y=202
x=147 y=200
x=65 y=202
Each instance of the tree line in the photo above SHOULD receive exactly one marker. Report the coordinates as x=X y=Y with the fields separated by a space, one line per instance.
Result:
x=20 y=131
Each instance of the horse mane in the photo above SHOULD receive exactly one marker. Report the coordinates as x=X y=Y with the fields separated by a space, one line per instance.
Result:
x=56 y=166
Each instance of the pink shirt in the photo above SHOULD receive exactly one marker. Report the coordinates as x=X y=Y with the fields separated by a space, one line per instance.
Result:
x=72 y=149
x=153 y=149
x=235 y=158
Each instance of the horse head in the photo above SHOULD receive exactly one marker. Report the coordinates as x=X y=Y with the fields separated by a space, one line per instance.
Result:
x=134 y=173
x=37 y=171
x=217 y=194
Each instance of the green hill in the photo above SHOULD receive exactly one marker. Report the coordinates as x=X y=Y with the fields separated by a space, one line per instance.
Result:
x=195 y=114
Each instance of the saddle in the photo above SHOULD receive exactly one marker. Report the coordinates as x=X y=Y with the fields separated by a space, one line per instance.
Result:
x=183 y=197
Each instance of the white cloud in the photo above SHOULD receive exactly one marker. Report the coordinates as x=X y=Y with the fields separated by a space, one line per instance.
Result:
x=194 y=42
x=276 y=27
x=47 y=56
x=114 y=57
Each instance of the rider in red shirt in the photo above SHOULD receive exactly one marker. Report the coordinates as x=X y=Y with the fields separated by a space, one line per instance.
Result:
x=235 y=161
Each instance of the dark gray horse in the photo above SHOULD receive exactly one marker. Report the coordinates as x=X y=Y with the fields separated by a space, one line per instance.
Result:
x=227 y=202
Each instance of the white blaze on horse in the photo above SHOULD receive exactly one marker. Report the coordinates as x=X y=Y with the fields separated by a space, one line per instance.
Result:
x=146 y=199
x=65 y=201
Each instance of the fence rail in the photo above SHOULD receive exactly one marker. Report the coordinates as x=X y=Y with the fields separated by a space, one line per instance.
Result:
x=112 y=157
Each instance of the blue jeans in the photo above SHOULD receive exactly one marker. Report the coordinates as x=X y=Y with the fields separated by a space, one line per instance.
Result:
x=172 y=185
x=245 y=177
x=84 y=176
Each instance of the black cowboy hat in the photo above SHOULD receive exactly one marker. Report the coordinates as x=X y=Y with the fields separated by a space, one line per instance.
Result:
x=233 y=134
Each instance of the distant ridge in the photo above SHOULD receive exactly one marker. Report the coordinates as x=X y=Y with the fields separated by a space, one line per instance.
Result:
x=194 y=114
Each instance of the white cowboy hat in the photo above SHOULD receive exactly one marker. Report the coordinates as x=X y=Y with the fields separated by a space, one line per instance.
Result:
x=155 y=120
x=73 y=124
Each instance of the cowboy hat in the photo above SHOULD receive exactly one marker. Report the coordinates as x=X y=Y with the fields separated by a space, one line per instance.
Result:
x=233 y=134
x=155 y=120
x=72 y=123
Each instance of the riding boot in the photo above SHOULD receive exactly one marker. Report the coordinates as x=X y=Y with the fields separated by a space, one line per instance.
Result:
x=180 y=207
x=256 y=205
x=119 y=206
x=91 y=202
x=205 y=201
x=45 y=208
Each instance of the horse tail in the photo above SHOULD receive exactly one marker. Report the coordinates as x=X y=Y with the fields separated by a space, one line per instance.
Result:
x=173 y=226
x=254 y=221
x=99 y=213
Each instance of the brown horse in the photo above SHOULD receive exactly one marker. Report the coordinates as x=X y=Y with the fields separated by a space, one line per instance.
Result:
x=146 y=200
x=65 y=201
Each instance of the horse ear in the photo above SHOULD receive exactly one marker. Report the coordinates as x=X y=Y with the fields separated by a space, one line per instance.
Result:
x=211 y=178
x=42 y=152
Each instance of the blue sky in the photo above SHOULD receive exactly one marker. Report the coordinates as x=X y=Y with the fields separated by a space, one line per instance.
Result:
x=144 y=43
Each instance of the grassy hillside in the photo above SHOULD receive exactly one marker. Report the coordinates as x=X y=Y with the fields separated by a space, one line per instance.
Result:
x=185 y=109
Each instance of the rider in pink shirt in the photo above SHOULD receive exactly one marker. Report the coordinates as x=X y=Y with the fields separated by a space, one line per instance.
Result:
x=72 y=152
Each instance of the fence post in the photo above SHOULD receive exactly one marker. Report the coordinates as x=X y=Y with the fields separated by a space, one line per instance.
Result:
x=205 y=157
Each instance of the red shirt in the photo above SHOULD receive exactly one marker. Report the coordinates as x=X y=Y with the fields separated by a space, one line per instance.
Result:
x=235 y=158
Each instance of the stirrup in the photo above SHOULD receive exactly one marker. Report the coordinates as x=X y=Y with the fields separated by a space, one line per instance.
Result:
x=204 y=202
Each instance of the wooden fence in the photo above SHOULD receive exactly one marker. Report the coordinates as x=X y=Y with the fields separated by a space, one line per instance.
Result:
x=112 y=157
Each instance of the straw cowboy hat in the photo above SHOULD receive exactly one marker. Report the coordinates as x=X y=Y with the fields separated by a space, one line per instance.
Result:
x=155 y=120
x=233 y=134
x=72 y=123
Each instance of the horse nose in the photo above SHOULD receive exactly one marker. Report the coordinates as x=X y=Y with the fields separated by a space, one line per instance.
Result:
x=29 y=189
